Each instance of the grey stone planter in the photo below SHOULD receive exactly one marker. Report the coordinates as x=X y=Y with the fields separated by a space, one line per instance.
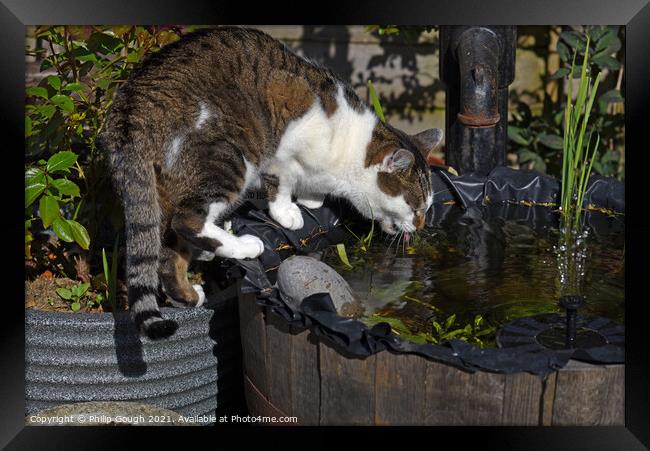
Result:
x=76 y=357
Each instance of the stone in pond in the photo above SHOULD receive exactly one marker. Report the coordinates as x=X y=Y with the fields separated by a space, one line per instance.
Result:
x=301 y=276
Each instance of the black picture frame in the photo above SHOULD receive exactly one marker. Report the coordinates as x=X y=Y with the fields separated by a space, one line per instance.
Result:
x=634 y=14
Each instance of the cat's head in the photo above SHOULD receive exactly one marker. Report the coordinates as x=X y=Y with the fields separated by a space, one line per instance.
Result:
x=403 y=191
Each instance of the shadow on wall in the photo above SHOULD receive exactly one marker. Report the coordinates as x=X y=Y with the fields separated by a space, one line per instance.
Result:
x=405 y=73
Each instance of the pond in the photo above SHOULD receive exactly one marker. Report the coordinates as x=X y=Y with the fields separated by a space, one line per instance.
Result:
x=470 y=272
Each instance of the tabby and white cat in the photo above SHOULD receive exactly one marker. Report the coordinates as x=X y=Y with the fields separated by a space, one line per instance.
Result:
x=227 y=109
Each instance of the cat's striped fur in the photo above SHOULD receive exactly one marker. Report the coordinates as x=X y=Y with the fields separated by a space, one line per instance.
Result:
x=201 y=121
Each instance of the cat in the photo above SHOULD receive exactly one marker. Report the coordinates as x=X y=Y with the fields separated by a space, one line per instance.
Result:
x=224 y=110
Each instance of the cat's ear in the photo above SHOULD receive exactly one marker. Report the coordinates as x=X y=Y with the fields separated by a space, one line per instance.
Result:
x=428 y=141
x=398 y=160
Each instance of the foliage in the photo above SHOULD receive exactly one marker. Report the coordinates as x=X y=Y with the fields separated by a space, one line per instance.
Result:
x=578 y=155
x=48 y=183
x=374 y=99
x=475 y=332
x=110 y=275
x=410 y=32
x=66 y=179
x=538 y=139
x=74 y=294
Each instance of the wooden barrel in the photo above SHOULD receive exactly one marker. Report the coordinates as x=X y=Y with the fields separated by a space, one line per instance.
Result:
x=289 y=373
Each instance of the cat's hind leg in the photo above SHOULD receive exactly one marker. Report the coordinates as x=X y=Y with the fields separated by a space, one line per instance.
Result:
x=173 y=275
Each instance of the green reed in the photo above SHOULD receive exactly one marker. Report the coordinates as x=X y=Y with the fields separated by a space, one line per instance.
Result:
x=579 y=154
x=580 y=150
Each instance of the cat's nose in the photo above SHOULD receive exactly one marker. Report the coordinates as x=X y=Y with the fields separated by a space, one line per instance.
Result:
x=418 y=221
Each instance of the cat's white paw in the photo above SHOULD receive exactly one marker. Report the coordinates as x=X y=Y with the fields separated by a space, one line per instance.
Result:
x=205 y=256
x=240 y=247
x=312 y=203
x=199 y=290
x=289 y=217
x=249 y=246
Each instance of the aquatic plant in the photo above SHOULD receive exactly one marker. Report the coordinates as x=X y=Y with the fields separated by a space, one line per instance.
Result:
x=475 y=332
x=578 y=155
x=579 y=152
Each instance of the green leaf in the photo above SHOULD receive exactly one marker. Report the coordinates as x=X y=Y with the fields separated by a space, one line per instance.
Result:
x=103 y=83
x=598 y=167
x=46 y=111
x=28 y=126
x=64 y=293
x=73 y=87
x=32 y=192
x=552 y=141
x=61 y=161
x=48 y=210
x=82 y=288
x=560 y=73
x=75 y=306
x=65 y=103
x=485 y=332
x=66 y=187
x=450 y=321
x=87 y=56
x=34 y=175
x=564 y=52
x=516 y=134
x=37 y=91
x=596 y=33
x=80 y=234
x=343 y=255
x=607 y=62
x=374 y=98
x=104 y=43
x=611 y=156
x=62 y=230
x=577 y=71
x=608 y=44
x=612 y=96
x=54 y=81
x=574 y=39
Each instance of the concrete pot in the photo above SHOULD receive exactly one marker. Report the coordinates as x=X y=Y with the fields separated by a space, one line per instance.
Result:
x=77 y=357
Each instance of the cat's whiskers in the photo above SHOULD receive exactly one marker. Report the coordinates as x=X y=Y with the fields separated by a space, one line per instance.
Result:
x=391 y=242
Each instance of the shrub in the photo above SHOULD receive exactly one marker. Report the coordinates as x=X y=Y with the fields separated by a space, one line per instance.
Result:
x=68 y=196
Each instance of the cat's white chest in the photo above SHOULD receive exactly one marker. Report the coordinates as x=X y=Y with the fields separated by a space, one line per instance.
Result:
x=319 y=150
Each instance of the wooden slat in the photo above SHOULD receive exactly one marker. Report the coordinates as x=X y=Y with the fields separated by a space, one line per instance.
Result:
x=400 y=389
x=253 y=337
x=522 y=399
x=278 y=362
x=548 y=398
x=455 y=397
x=347 y=388
x=588 y=395
x=305 y=380
x=614 y=414
x=258 y=404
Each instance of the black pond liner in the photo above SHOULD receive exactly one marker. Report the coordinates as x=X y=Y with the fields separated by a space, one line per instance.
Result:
x=513 y=194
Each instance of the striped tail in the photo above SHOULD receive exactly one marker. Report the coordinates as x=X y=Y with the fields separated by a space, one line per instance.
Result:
x=136 y=180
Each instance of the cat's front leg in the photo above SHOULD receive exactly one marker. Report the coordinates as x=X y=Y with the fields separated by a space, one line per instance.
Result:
x=204 y=234
x=281 y=208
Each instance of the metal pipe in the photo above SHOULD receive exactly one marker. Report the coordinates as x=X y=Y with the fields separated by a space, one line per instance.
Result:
x=477 y=65
x=478 y=58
